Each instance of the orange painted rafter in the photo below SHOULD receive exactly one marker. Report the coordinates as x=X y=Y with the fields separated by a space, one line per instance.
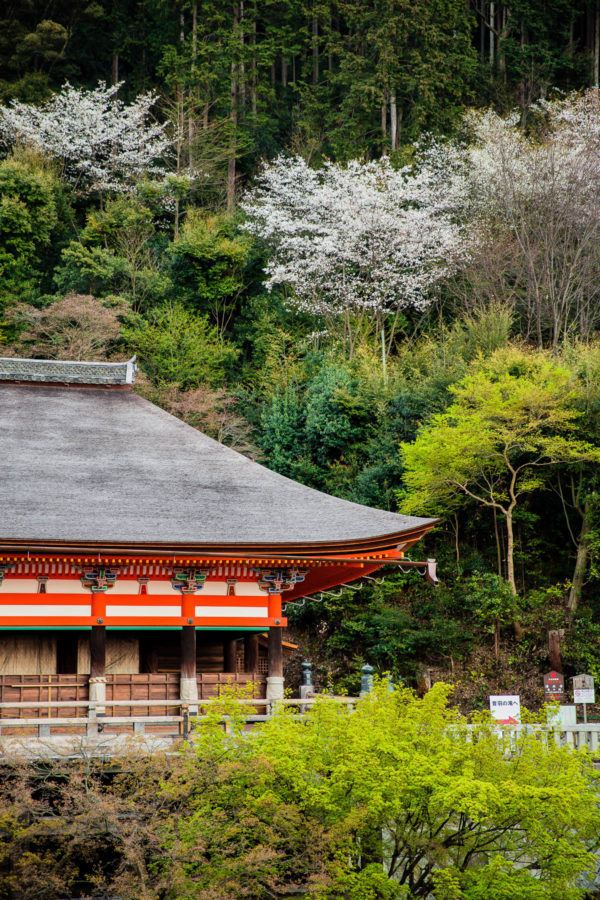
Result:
x=259 y=562
x=324 y=571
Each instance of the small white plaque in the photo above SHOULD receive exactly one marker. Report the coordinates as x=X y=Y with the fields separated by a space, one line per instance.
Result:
x=584 y=695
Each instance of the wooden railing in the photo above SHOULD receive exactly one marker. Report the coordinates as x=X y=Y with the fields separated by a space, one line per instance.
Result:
x=91 y=724
x=96 y=722
x=575 y=736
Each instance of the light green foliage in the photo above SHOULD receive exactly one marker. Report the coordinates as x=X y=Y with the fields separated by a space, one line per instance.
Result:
x=396 y=782
x=177 y=346
x=508 y=416
x=511 y=418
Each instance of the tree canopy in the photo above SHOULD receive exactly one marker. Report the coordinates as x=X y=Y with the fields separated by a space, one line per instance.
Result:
x=510 y=420
x=319 y=802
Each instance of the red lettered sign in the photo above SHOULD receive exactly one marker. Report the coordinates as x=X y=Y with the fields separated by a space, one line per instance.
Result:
x=554 y=686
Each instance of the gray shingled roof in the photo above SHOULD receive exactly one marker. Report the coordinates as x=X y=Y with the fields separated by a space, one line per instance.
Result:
x=67 y=372
x=95 y=464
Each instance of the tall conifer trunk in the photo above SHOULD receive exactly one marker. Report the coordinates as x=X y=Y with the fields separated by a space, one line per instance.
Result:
x=231 y=166
x=393 y=122
x=191 y=123
x=242 y=66
x=254 y=73
x=597 y=43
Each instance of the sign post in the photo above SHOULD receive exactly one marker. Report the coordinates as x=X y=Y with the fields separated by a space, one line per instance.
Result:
x=506 y=709
x=554 y=687
x=583 y=692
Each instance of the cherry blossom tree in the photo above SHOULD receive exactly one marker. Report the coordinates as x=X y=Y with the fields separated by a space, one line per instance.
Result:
x=357 y=243
x=104 y=144
x=533 y=201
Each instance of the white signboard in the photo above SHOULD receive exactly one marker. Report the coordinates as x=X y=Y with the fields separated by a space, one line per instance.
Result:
x=583 y=689
x=561 y=716
x=506 y=709
x=584 y=696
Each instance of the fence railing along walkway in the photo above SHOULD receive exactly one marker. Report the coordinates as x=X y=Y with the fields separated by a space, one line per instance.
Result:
x=93 y=723
x=96 y=722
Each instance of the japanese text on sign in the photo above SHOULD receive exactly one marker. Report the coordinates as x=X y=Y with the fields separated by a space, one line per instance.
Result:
x=554 y=686
x=583 y=689
x=506 y=708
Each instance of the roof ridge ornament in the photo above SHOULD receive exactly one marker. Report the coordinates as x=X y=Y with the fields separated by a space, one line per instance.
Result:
x=59 y=371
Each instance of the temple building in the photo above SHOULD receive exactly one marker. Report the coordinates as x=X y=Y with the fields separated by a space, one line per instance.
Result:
x=140 y=558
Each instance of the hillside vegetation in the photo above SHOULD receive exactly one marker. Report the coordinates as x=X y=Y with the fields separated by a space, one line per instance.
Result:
x=359 y=242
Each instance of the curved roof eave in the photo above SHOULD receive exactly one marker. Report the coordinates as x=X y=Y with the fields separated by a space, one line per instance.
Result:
x=378 y=544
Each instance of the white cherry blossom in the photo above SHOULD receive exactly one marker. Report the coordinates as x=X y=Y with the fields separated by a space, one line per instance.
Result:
x=361 y=238
x=103 y=143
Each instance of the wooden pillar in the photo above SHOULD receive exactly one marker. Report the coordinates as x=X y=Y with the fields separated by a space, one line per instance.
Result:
x=230 y=655
x=251 y=653
x=188 y=652
x=97 y=683
x=554 y=639
x=275 y=676
x=188 y=686
x=98 y=651
x=275 y=652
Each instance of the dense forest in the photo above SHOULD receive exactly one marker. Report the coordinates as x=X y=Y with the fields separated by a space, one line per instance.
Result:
x=359 y=243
